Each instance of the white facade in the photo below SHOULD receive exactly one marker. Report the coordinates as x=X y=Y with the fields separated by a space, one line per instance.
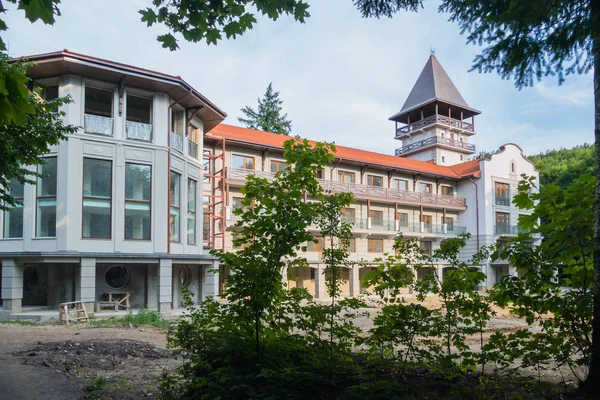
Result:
x=109 y=204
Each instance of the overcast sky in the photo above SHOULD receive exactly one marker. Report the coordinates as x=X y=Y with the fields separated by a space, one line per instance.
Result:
x=340 y=76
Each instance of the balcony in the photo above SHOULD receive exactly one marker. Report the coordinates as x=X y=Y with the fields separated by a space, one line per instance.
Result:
x=176 y=142
x=506 y=229
x=138 y=131
x=435 y=119
x=365 y=191
x=192 y=149
x=98 y=125
x=502 y=200
x=432 y=141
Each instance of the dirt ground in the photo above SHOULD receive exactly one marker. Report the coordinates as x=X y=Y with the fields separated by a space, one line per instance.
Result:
x=79 y=362
x=82 y=362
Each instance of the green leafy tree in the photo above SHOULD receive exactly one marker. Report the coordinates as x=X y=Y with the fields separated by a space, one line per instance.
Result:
x=564 y=166
x=25 y=144
x=268 y=116
x=525 y=41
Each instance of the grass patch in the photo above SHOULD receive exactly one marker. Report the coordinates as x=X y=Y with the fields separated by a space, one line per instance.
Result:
x=91 y=390
x=143 y=317
x=23 y=322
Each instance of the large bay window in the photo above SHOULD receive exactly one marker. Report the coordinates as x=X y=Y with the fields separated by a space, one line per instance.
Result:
x=46 y=199
x=13 y=216
x=138 y=184
x=175 y=207
x=191 y=214
x=98 y=111
x=139 y=118
x=97 y=198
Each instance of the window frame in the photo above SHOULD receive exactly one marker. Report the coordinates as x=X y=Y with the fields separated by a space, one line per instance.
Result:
x=342 y=173
x=22 y=205
x=445 y=189
x=371 y=248
x=399 y=215
x=501 y=191
x=318 y=247
x=174 y=207
x=423 y=185
x=110 y=199
x=136 y=201
x=244 y=157
x=38 y=197
x=278 y=164
x=397 y=184
x=151 y=114
x=112 y=100
x=372 y=178
x=373 y=218
x=192 y=213
x=505 y=217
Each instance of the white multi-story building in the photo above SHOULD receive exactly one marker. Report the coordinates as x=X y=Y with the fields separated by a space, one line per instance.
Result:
x=118 y=210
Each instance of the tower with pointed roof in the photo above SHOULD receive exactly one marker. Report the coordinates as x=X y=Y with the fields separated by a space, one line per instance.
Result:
x=435 y=122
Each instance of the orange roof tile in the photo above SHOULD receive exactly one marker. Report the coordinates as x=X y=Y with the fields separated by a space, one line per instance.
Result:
x=469 y=168
x=251 y=136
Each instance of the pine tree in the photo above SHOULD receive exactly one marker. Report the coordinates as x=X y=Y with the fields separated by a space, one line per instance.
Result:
x=268 y=118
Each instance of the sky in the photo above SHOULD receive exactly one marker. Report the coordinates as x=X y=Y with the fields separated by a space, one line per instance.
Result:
x=340 y=76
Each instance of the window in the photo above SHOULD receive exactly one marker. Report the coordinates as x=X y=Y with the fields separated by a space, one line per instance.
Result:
x=403 y=218
x=462 y=157
x=375 y=245
x=277 y=166
x=450 y=223
x=206 y=220
x=13 y=217
x=427 y=222
x=425 y=187
x=98 y=102
x=193 y=141
x=174 y=216
x=349 y=214
x=207 y=164
x=46 y=199
x=319 y=246
x=376 y=217
x=191 y=214
x=400 y=184
x=502 y=194
x=513 y=168
x=177 y=122
x=117 y=277
x=139 y=109
x=97 y=198
x=321 y=173
x=374 y=180
x=448 y=190
x=242 y=162
x=50 y=93
x=346 y=177
x=426 y=245
x=138 y=185
x=502 y=222
x=443 y=159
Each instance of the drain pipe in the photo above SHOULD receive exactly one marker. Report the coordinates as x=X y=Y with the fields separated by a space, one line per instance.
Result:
x=169 y=110
x=476 y=210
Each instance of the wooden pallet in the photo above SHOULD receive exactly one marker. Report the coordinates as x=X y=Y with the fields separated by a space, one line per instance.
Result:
x=72 y=311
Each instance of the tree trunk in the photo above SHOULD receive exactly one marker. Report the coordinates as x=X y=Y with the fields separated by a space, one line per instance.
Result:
x=592 y=383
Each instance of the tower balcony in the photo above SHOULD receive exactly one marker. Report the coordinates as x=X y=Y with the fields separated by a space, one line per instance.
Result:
x=452 y=123
x=435 y=141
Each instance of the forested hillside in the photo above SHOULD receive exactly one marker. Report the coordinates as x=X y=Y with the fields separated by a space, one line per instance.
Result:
x=565 y=165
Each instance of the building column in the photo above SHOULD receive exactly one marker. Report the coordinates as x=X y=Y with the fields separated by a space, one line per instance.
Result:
x=211 y=281
x=320 y=288
x=87 y=283
x=165 y=285
x=354 y=281
x=440 y=272
x=12 y=286
x=152 y=286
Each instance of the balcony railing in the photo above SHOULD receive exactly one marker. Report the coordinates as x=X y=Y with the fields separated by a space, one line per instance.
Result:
x=457 y=144
x=502 y=200
x=98 y=125
x=138 y=131
x=366 y=191
x=435 y=119
x=505 y=229
x=192 y=149
x=176 y=142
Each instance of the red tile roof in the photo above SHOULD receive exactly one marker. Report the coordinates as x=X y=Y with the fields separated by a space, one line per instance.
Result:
x=254 y=137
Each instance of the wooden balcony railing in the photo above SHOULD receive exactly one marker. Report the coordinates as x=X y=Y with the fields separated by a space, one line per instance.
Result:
x=366 y=191
x=435 y=119
x=433 y=141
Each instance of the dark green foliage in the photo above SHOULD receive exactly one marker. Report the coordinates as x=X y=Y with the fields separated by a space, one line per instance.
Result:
x=24 y=144
x=268 y=117
x=564 y=166
x=200 y=20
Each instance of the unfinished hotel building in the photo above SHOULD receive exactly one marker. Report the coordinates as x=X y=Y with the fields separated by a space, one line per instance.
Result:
x=119 y=208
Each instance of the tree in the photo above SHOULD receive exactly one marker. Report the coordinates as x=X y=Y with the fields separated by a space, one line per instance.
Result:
x=525 y=41
x=268 y=116
x=564 y=166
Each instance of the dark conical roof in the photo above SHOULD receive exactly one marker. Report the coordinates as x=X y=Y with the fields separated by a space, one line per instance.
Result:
x=433 y=85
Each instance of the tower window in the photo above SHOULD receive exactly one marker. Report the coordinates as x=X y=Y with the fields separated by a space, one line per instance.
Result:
x=443 y=159
x=513 y=167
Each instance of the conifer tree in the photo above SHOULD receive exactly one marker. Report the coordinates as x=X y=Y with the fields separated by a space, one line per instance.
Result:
x=268 y=116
